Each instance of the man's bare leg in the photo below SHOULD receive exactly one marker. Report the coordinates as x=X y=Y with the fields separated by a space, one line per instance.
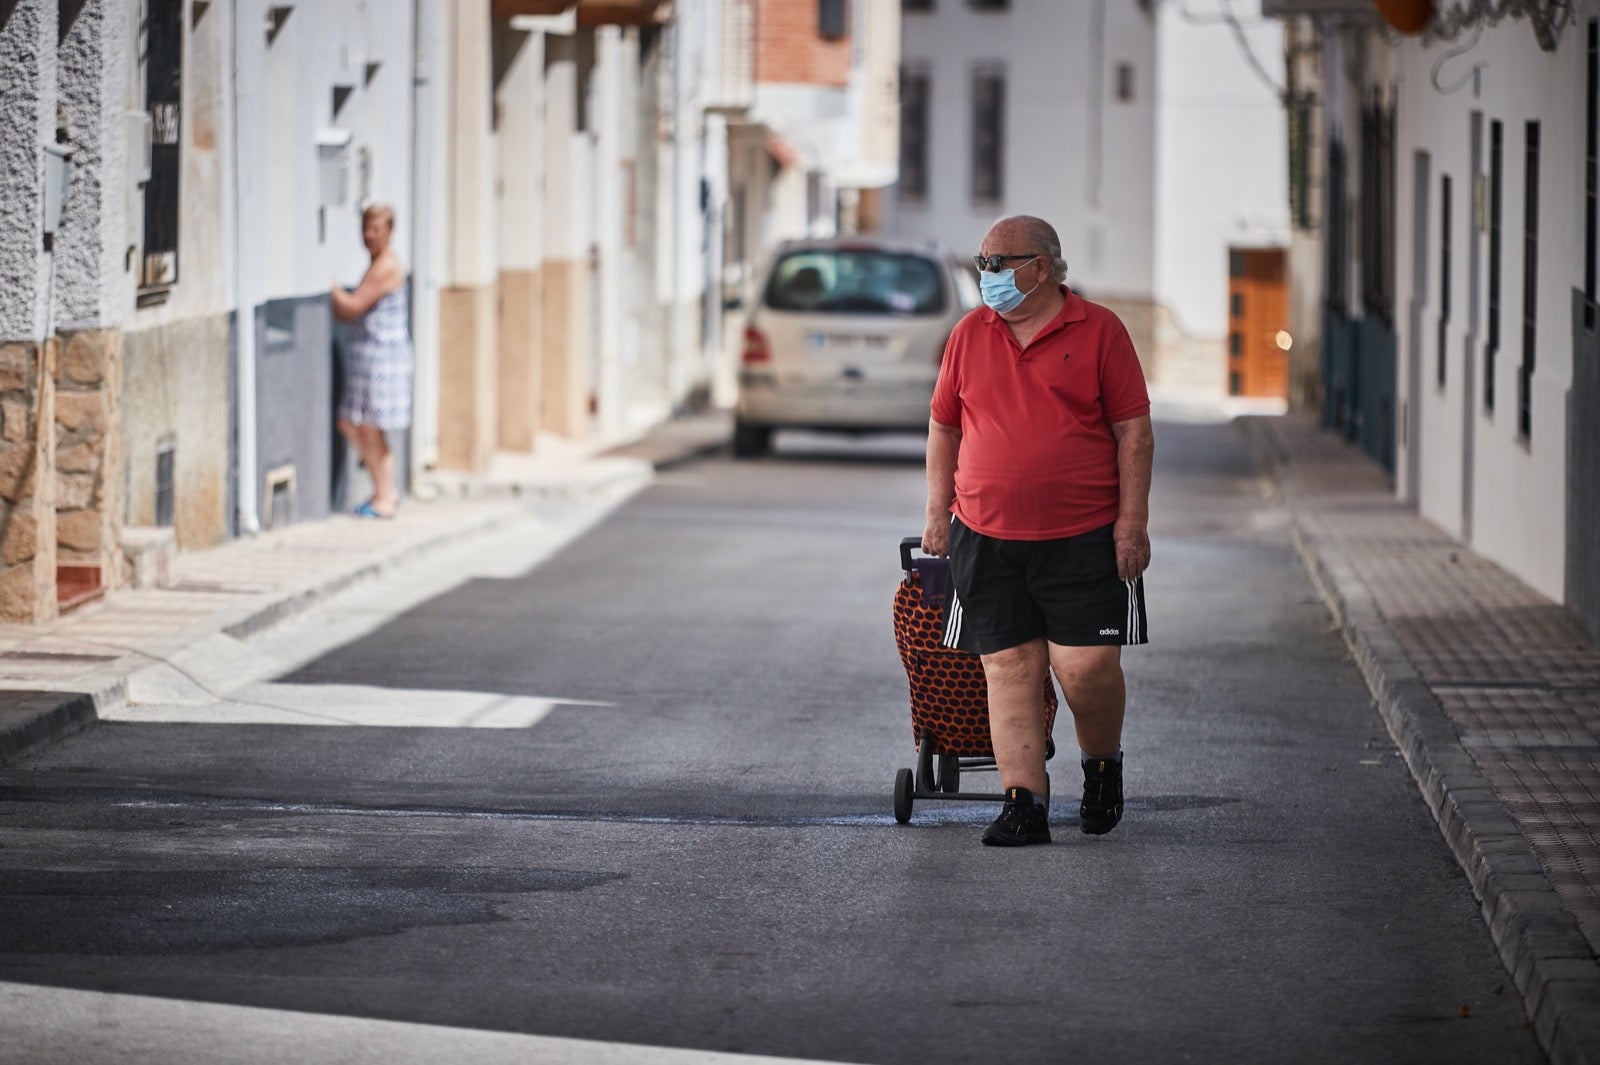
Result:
x=1091 y=679
x=1016 y=714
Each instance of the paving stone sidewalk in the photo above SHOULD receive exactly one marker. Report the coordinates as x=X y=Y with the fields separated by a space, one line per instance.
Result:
x=54 y=677
x=1492 y=693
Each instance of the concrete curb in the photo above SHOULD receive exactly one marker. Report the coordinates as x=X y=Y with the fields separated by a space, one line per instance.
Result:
x=41 y=719
x=1539 y=940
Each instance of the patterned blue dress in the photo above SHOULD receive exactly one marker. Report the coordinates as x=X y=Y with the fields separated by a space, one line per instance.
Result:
x=377 y=385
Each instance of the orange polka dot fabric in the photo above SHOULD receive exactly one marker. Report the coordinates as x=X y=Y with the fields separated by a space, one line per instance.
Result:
x=949 y=696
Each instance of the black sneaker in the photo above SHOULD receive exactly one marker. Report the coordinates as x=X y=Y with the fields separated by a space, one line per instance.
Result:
x=1021 y=822
x=1102 y=796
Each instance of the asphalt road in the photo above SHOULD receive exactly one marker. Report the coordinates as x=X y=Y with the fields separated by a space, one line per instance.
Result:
x=679 y=834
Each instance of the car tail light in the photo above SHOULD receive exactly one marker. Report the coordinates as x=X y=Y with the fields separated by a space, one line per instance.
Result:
x=755 y=346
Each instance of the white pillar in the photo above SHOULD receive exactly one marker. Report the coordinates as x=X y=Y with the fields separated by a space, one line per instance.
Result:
x=427 y=226
x=27 y=123
x=92 y=286
x=248 y=43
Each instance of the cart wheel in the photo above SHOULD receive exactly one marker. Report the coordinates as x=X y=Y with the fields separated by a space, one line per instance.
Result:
x=925 y=779
x=902 y=796
x=949 y=773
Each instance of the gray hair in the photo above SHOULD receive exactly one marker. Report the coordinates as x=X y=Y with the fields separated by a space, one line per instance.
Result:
x=1042 y=235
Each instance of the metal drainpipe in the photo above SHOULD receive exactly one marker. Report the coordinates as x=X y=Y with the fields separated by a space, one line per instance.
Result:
x=246 y=75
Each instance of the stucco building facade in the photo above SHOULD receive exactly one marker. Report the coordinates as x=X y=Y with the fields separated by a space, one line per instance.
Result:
x=1136 y=127
x=574 y=189
x=1459 y=236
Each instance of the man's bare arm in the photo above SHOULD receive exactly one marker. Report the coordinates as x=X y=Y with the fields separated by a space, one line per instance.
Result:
x=1136 y=448
x=944 y=444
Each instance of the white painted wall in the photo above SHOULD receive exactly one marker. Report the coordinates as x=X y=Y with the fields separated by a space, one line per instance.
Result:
x=609 y=95
x=1074 y=155
x=679 y=271
x=1518 y=488
x=367 y=50
x=566 y=204
x=874 y=85
x=1221 y=153
x=429 y=72
x=521 y=135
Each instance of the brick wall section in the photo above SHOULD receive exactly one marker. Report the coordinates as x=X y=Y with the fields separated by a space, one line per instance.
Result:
x=27 y=482
x=789 y=50
x=87 y=430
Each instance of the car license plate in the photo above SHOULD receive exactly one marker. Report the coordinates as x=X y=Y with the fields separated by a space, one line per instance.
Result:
x=853 y=344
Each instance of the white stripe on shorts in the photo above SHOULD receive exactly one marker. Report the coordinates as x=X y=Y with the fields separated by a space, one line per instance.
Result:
x=952 y=619
x=1131 y=629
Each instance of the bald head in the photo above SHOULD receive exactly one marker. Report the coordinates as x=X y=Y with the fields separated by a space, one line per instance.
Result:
x=1033 y=233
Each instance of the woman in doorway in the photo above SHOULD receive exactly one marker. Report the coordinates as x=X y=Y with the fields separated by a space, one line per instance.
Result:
x=377 y=387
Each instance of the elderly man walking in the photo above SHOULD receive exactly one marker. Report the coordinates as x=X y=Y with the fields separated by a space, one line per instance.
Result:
x=1039 y=456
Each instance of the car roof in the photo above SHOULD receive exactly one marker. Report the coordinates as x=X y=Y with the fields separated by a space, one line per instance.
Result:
x=864 y=243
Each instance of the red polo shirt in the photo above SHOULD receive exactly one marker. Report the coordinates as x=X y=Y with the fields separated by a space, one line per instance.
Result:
x=1038 y=460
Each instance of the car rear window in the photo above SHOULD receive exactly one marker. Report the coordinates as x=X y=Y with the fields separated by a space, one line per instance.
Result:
x=856 y=281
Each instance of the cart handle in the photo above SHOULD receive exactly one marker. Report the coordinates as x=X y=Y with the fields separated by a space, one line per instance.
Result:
x=907 y=545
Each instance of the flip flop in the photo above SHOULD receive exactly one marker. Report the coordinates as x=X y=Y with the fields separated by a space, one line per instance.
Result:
x=367 y=510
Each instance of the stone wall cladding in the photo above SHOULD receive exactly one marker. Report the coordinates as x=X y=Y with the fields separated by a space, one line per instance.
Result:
x=27 y=482
x=89 y=503
x=1187 y=363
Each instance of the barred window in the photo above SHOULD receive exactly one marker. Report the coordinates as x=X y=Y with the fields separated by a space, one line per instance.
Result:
x=163 y=89
x=831 y=19
x=1591 y=178
x=1336 y=249
x=1125 y=83
x=1491 y=346
x=988 y=134
x=1301 y=121
x=1444 y=276
x=1530 y=283
x=1377 y=210
x=914 y=99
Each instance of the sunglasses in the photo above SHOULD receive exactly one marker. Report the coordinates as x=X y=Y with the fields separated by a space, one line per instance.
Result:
x=993 y=263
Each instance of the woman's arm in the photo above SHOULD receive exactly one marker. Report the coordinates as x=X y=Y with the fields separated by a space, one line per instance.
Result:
x=381 y=278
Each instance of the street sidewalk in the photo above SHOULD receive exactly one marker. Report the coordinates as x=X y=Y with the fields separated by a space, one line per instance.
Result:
x=1492 y=693
x=55 y=678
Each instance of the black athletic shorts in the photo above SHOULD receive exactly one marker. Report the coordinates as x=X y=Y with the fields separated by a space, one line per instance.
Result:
x=1008 y=592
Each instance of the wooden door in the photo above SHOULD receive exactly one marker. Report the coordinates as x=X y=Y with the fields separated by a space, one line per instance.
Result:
x=1258 y=322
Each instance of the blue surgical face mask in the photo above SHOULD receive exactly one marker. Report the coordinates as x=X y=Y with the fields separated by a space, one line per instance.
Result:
x=999 y=288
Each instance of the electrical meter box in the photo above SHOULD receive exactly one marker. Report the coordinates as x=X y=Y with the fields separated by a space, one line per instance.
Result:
x=333 y=166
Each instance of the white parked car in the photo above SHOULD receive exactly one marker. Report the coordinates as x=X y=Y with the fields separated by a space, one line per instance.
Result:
x=847 y=333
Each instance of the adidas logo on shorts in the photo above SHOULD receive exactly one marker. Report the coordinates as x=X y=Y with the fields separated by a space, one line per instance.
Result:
x=1111 y=632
